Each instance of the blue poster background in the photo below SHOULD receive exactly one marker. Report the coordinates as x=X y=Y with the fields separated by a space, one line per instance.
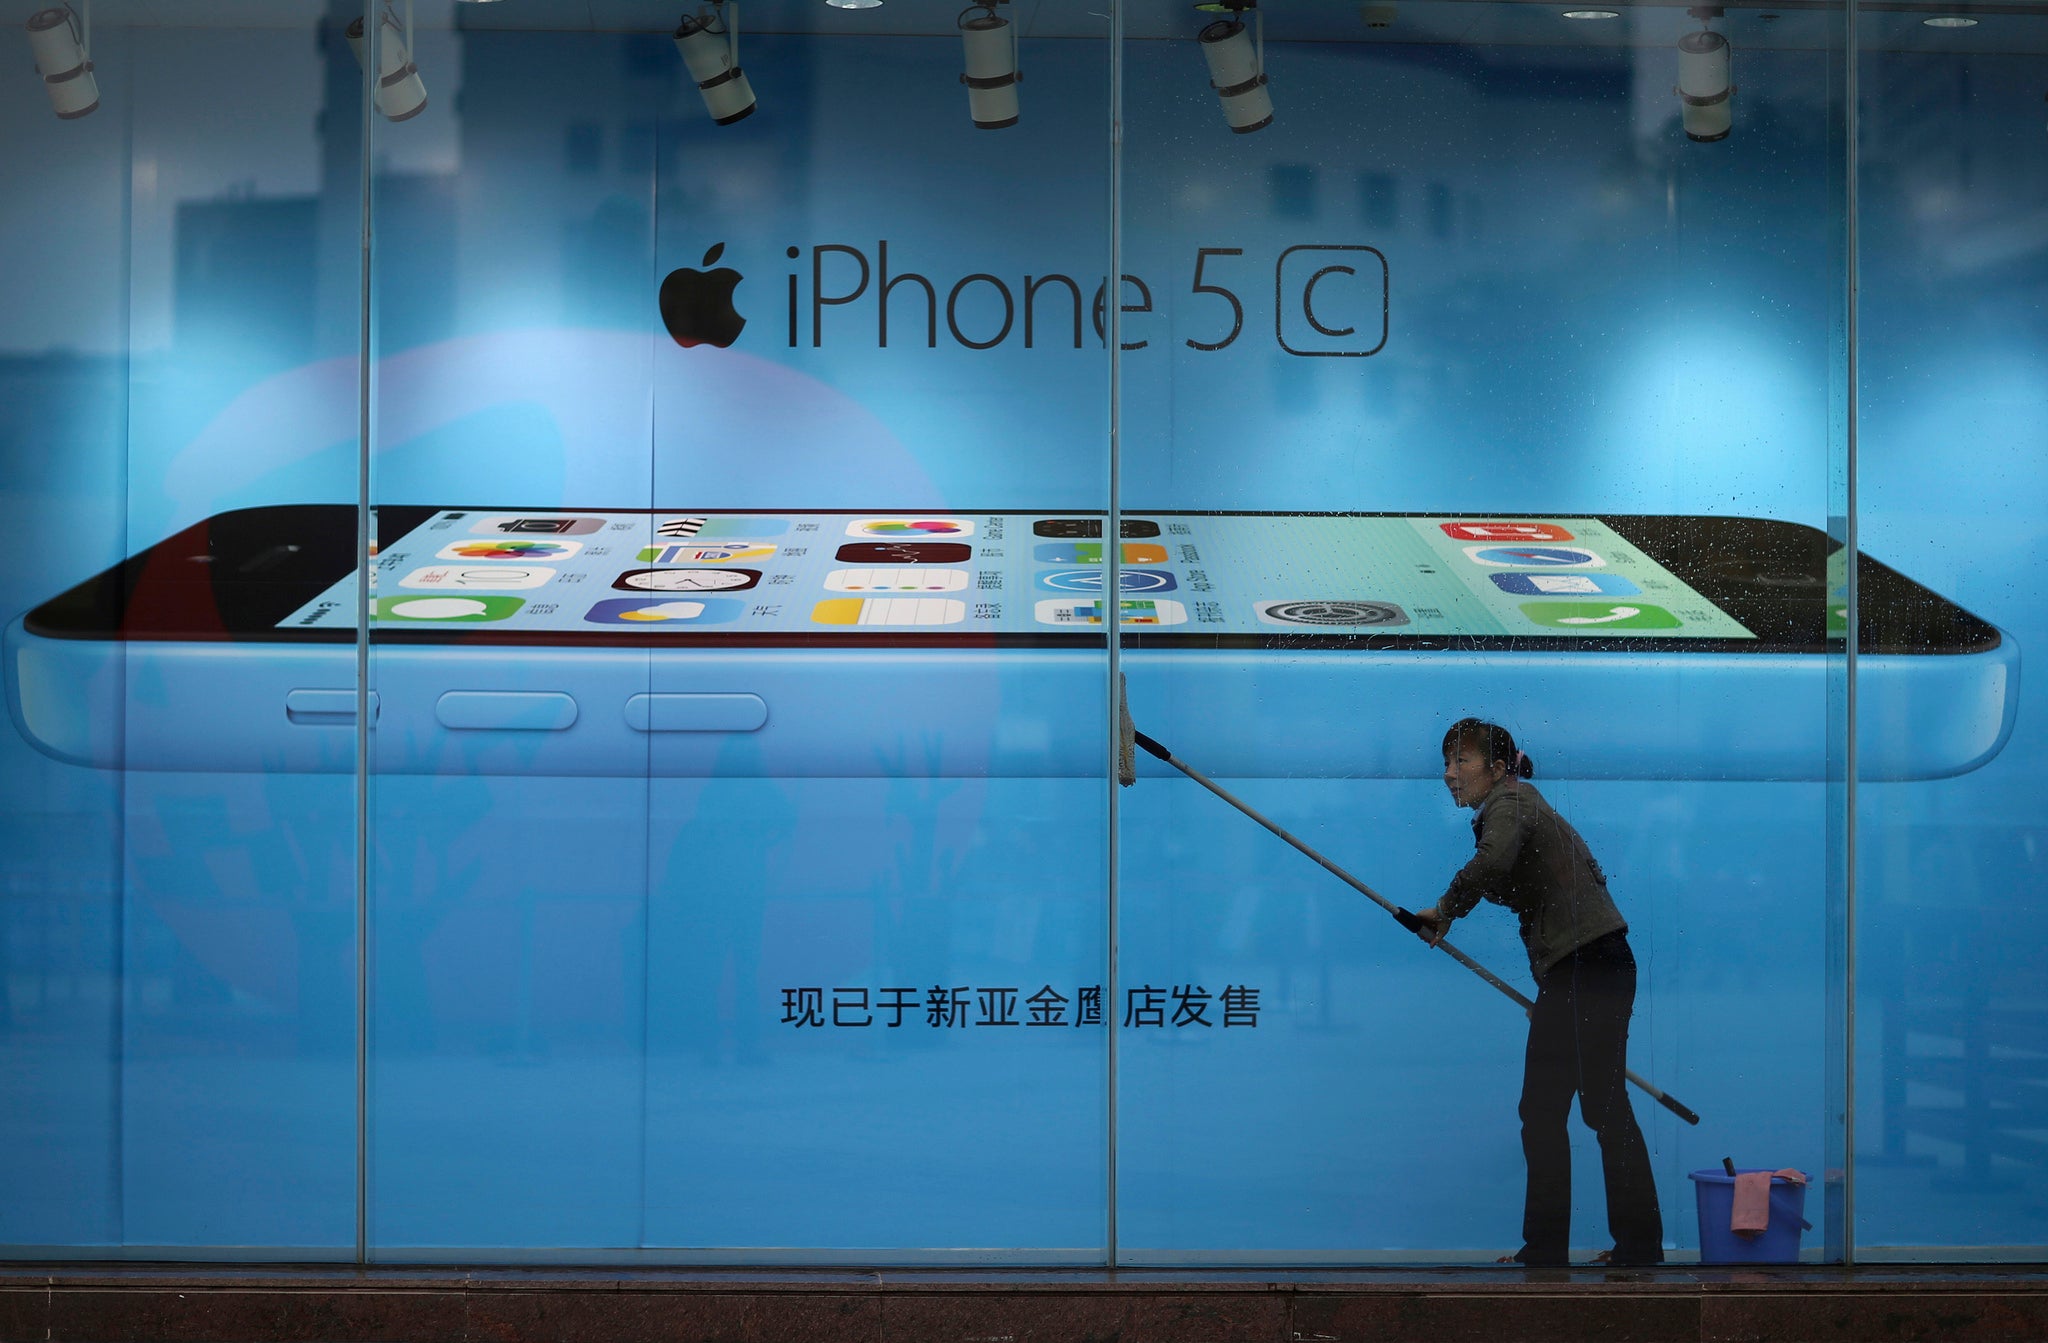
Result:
x=578 y=1033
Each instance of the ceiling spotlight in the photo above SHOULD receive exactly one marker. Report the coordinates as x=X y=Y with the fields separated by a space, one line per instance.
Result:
x=710 y=43
x=991 y=78
x=855 y=4
x=1592 y=14
x=1950 y=21
x=1703 y=87
x=60 y=39
x=1237 y=69
x=400 y=94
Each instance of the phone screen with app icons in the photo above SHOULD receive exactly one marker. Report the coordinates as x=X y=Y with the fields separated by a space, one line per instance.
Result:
x=668 y=575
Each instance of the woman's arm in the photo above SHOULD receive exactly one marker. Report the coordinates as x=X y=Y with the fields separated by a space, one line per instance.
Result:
x=1503 y=824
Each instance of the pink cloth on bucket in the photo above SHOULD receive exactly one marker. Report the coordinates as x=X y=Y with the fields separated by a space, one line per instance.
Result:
x=1750 y=1213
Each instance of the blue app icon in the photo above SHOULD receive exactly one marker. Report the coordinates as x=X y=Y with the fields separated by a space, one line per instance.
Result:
x=1565 y=585
x=1130 y=582
x=1533 y=557
x=667 y=612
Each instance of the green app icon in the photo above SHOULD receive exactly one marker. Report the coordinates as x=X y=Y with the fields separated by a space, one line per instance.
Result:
x=1600 y=616
x=443 y=607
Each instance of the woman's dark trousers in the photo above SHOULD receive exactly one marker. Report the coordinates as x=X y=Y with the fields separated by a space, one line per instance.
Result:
x=1578 y=1045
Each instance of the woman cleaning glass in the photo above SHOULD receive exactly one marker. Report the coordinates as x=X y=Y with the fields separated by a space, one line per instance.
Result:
x=1531 y=860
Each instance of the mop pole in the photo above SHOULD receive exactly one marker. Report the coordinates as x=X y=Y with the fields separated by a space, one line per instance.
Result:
x=1401 y=916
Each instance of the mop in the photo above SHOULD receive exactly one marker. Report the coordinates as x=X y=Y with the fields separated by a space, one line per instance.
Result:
x=1129 y=740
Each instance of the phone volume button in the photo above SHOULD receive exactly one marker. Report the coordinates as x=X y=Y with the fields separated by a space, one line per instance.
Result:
x=677 y=711
x=325 y=708
x=506 y=710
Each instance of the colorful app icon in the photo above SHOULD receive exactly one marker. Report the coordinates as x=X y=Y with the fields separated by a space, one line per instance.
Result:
x=1565 y=585
x=678 y=611
x=1132 y=611
x=1090 y=529
x=503 y=525
x=687 y=580
x=1534 y=557
x=490 y=577
x=907 y=579
x=891 y=611
x=1130 y=582
x=696 y=552
x=903 y=552
x=1505 y=531
x=464 y=610
x=509 y=550
x=1332 y=614
x=1599 y=616
x=911 y=529
x=709 y=528
x=1090 y=552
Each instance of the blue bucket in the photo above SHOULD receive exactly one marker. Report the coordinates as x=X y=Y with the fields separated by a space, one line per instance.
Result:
x=1778 y=1243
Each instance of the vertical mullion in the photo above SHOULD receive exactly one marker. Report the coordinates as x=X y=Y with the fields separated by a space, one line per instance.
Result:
x=1853 y=631
x=373 y=46
x=1112 y=593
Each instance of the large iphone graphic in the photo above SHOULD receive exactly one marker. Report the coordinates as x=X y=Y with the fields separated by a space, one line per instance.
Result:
x=630 y=641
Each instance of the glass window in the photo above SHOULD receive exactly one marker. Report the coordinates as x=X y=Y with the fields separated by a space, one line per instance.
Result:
x=561 y=671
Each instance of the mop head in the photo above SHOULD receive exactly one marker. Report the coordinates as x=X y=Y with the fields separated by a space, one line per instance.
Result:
x=1126 y=737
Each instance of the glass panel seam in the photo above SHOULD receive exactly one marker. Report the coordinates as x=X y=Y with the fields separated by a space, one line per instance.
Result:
x=1113 y=608
x=118 y=1026
x=362 y=601
x=1852 y=634
x=652 y=280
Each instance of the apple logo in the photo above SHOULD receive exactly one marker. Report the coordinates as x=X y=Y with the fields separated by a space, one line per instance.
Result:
x=696 y=305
